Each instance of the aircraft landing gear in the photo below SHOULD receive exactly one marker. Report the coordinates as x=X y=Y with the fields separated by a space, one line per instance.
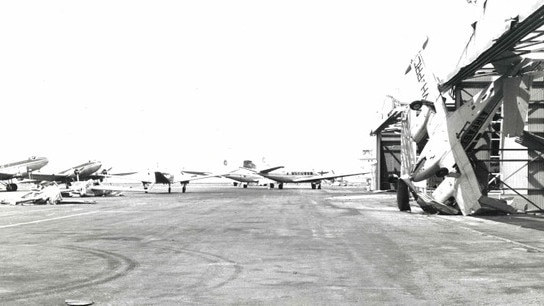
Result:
x=235 y=184
x=184 y=188
x=11 y=187
x=403 y=196
x=169 y=188
x=271 y=186
x=313 y=185
x=280 y=186
x=245 y=185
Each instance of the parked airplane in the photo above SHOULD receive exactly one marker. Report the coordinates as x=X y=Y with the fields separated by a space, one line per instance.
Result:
x=301 y=177
x=159 y=177
x=85 y=171
x=20 y=169
x=244 y=176
x=247 y=175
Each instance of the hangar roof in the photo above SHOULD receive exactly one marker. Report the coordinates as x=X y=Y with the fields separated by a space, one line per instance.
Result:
x=507 y=30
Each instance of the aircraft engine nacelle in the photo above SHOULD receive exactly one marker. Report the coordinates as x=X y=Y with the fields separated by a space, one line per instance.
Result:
x=428 y=168
x=418 y=124
x=419 y=119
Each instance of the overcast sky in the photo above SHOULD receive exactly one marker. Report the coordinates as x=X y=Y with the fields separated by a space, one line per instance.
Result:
x=188 y=84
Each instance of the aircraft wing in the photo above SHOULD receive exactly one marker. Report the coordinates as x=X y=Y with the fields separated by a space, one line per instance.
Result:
x=114 y=188
x=7 y=176
x=165 y=178
x=266 y=171
x=48 y=177
x=326 y=177
x=100 y=176
x=196 y=172
x=198 y=177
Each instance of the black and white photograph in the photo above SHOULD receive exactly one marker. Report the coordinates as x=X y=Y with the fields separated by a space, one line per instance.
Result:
x=272 y=152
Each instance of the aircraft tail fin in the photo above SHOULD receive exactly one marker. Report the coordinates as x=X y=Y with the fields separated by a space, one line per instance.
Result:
x=427 y=82
x=248 y=164
x=163 y=178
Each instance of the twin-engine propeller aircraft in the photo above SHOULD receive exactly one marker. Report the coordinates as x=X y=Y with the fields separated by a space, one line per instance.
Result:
x=301 y=177
x=159 y=177
x=247 y=175
x=19 y=170
x=83 y=172
x=244 y=176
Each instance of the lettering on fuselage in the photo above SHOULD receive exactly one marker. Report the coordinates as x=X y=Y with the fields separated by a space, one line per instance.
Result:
x=419 y=67
x=300 y=173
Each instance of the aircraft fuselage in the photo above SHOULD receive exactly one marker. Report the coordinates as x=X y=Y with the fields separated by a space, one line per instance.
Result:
x=84 y=170
x=243 y=178
x=22 y=168
x=291 y=177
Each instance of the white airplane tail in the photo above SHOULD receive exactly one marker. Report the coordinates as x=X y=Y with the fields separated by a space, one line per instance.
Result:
x=248 y=164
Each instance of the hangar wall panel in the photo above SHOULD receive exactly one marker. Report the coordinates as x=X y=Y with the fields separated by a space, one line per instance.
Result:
x=536 y=167
x=514 y=173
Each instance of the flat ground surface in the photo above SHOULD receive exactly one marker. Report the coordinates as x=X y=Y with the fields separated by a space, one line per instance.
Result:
x=297 y=246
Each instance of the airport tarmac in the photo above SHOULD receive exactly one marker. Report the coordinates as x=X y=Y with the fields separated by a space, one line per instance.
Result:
x=256 y=246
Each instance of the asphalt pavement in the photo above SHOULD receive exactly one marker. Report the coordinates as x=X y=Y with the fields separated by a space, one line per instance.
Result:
x=221 y=245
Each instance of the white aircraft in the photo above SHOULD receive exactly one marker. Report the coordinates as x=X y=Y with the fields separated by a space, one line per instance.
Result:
x=247 y=175
x=311 y=177
x=83 y=172
x=166 y=178
x=448 y=153
x=19 y=170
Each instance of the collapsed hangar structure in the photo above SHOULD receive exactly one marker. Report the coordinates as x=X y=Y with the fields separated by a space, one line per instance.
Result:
x=473 y=140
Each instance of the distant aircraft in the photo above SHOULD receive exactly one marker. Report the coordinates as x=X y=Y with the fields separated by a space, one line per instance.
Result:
x=19 y=170
x=85 y=171
x=247 y=175
x=301 y=177
x=169 y=179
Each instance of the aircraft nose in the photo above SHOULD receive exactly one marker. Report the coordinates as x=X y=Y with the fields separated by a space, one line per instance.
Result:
x=44 y=161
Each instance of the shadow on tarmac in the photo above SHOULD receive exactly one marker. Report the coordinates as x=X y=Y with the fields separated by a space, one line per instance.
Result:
x=531 y=220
